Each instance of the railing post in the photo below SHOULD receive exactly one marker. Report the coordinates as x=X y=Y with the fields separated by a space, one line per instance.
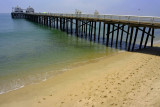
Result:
x=111 y=17
x=152 y=20
x=138 y=20
x=119 y=18
x=128 y=18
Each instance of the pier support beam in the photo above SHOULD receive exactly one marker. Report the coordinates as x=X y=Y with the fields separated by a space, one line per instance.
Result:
x=86 y=29
x=140 y=46
x=108 y=30
x=112 y=35
x=147 y=37
x=152 y=37
x=99 y=31
x=50 y=21
x=67 y=24
x=95 y=31
x=71 y=26
x=104 y=27
x=57 y=22
x=117 y=35
x=135 y=38
x=60 y=23
x=91 y=30
x=130 y=41
x=63 y=24
x=127 y=35
x=77 y=27
x=121 y=36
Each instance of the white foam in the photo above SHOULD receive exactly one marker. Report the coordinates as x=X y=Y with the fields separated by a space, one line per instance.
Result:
x=2 y=92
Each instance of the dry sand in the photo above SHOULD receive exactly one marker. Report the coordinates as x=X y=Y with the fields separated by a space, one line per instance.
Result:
x=129 y=79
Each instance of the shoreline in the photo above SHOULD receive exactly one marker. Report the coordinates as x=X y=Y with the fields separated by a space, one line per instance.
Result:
x=67 y=68
x=118 y=80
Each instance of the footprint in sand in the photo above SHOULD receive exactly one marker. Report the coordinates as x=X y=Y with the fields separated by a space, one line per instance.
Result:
x=102 y=102
x=44 y=98
x=39 y=102
x=126 y=78
x=105 y=96
x=112 y=104
x=102 y=91
x=119 y=83
x=124 y=99
x=87 y=103
x=89 y=98
x=123 y=80
x=70 y=94
x=133 y=88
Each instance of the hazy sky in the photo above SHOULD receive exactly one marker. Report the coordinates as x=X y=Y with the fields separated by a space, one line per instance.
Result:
x=119 y=7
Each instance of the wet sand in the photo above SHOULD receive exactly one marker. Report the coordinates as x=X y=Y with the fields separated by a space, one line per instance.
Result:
x=128 y=79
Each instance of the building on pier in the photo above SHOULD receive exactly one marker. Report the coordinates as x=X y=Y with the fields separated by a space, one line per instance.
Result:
x=17 y=9
x=29 y=10
x=18 y=12
x=78 y=12
x=96 y=12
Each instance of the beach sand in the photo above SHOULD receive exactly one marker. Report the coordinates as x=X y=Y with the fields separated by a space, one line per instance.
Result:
x=128 y=79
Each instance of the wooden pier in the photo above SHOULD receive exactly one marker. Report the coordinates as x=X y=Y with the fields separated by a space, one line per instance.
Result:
x=111 y=30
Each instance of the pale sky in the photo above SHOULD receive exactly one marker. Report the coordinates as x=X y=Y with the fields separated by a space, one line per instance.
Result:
x=118 y=7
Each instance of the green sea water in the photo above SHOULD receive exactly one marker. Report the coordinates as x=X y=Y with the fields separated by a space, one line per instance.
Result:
x=30 y=53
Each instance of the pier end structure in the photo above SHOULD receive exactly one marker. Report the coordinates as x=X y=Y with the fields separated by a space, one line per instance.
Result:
x=18 y=12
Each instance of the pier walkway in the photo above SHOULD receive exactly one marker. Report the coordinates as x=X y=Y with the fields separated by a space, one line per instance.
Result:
x=113 y=30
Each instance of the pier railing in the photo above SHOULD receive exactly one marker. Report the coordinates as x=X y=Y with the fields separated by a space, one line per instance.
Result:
x=128 y=18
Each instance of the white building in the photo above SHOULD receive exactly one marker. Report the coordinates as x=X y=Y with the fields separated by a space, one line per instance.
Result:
x=18 y=10
x=29 y=10
x=96 y=12
x=78 y=12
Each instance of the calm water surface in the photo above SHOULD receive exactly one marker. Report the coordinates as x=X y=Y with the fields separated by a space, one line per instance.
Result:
x=32 y=53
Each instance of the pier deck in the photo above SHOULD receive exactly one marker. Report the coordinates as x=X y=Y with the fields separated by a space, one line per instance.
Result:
x=144 y=21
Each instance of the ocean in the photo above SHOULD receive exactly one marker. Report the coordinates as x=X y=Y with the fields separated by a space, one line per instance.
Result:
x=31 y=53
